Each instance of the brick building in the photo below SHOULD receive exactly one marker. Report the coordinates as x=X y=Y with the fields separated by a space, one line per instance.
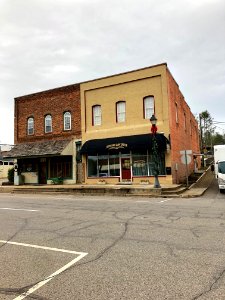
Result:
x=47 y=135
x=105 y=123
x=116 y=139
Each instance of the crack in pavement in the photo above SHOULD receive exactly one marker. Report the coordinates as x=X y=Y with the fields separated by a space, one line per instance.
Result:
x=218 y=277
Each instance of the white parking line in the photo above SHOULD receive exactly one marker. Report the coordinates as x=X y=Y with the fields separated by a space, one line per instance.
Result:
x=164 y=200
x=50 y=277
x=9 y=208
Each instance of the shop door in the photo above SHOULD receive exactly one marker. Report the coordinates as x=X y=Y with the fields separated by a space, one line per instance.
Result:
x=125 y=166
x=42 y=172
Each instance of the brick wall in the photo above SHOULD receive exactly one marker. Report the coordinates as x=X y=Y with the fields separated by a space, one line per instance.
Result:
x=182 y=137
x=38 y=105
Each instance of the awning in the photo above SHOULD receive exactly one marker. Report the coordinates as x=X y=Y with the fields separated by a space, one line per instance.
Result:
x=124 y=144
x=37 y=149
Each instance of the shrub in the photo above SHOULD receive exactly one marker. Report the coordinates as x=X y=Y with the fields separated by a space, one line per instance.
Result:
x=11 y=175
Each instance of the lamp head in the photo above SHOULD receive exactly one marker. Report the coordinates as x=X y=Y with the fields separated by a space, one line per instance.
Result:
x=153 y=120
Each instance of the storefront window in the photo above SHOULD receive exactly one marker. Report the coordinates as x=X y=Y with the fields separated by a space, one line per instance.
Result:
x=140 y=165
x=92 y=166
x=161 y=164
x=114 y=165
x=109 y=165
x=28 y=165
x=103 y=166
x=61 y=167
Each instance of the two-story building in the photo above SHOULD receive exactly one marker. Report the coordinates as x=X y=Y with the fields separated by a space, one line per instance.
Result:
x=99 y=130
x=116 y=135
x=47 y=134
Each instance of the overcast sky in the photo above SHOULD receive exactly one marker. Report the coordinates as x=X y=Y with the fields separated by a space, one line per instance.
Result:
x=46 y=44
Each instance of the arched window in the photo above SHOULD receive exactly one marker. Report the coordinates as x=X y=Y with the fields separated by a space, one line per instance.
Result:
x=67 y=120
x=30 y=126
x=48 y=123
x=96 y=115
x=120 y=111
x=149 y=107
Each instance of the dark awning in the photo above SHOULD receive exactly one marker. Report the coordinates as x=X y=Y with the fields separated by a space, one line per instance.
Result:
x=124 y=144
x=37 y=149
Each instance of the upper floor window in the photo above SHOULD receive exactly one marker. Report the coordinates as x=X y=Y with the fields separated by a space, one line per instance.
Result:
x=120 y=111
x=185 y=122
x=30 y=126
x=48 y=123
x=176 y=112
x=67 y=120
x=149 y=107
x=96 y=115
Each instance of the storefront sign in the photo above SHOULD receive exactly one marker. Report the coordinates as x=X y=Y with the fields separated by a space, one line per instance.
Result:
x=116 y=146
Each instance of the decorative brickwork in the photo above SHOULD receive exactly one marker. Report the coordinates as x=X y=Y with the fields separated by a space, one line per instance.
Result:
x=54 y=102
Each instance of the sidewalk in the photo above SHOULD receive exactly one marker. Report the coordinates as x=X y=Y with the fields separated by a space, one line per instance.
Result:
x=200 y=186
x=148 y=190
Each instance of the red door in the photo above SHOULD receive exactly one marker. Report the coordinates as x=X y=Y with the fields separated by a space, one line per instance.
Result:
x=126 y=172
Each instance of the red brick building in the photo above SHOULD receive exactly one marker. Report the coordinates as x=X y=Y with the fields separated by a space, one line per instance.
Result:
x=47 y=135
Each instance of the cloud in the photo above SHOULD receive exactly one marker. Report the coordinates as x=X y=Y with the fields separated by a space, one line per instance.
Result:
x=46 y=44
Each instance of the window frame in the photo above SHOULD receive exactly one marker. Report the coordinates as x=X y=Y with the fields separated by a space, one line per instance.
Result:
x=29 y=127
x=176 y=113
x=46 y=125
x=95 y=115
x=147 y=116
x=122 y=113
x=67 y=114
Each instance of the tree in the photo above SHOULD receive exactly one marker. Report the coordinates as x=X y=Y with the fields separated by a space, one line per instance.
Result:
x=218 y=139
x=206 y=129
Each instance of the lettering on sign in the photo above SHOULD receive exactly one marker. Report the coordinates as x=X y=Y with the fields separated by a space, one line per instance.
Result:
x=116 y=146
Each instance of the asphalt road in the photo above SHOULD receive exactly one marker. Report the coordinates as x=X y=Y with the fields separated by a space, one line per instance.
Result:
x=117 y=248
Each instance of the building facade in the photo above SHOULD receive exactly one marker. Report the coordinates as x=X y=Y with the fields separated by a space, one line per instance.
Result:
x=5 y=163
x=99 y=131
x=116 y=135
x=47 y=136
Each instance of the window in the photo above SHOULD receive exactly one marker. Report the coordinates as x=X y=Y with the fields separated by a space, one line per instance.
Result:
x=30 y=126
x=185 y=122
x=120 y=111
x=176 y=113
x=67 y=120
x=103 y=166
x=149 y=107
x=96 y=115
x=60 y=167
x=48 y=123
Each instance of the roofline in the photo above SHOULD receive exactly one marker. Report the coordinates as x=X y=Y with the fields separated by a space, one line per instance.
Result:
x=48 y=91
x=127 y=72
x=91 y=80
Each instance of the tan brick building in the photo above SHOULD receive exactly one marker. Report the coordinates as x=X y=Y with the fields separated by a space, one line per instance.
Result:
x=117 y=143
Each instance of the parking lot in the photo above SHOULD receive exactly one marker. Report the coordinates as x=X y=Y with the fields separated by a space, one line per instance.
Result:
x=82 y=247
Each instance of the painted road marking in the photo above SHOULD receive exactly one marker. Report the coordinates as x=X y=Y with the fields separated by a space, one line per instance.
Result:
x=50 y=277
x=9 y=208
x=164 y=200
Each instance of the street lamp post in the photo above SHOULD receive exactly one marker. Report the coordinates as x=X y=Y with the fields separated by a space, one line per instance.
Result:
x=155 y=151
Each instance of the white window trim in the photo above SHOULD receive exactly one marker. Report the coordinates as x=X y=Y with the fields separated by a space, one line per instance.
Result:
x=97 y=115
x=149 y=107
x=48 y=119
x=121 y=111
x=67 y=116
x=30 y=126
